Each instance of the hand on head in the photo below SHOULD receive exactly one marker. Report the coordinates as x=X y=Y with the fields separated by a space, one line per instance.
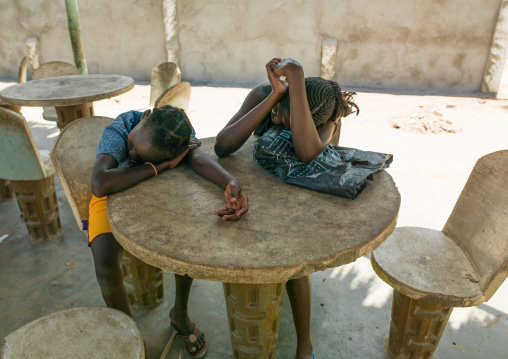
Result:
x=236 y=202
x=285 y=67
x=278 y=85
x=174 y=161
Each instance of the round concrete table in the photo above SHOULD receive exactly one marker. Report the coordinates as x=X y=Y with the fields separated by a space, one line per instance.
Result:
x=72 y=96
x=289 y=232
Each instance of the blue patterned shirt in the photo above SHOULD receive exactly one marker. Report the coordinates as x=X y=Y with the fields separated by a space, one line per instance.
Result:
x=114 y=138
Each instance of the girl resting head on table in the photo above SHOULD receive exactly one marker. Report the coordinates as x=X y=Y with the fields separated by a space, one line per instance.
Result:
x=311 y=108
x=133 y=148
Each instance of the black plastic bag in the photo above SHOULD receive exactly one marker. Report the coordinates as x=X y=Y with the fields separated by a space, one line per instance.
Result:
x=340 y=171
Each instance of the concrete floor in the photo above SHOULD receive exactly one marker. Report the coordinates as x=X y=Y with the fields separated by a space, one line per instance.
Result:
x=350 y=305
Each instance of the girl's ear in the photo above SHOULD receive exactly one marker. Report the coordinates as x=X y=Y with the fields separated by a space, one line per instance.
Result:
x=145 y=114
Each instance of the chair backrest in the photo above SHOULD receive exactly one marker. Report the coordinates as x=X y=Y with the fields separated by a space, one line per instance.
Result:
x=177 y=96
x=74 y=157
x=21 y=78
x=479 y=220
x=54 y=69
x=164 y=76
x=20 y=159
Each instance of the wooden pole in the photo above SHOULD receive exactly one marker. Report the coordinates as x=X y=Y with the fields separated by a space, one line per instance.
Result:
x=75 y=33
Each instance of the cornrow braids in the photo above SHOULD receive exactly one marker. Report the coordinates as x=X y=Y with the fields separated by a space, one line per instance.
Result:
x=171 y=130
x=326 y=100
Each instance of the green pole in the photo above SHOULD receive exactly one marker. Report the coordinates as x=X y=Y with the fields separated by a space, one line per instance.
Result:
x=75 y=33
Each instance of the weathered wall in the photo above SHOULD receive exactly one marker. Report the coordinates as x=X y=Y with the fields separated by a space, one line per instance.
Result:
x=382 y=44
x=391 y=43
x=122 y=37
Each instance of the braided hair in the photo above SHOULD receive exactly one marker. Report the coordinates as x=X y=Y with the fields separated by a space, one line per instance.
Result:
x=171 y=130
x=326 y=100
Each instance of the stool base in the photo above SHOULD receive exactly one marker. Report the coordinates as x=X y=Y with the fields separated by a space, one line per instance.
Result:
x=416 y=327
x=39 y=208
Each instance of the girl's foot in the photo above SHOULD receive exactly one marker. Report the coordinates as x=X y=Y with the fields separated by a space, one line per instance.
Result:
x=184 y=326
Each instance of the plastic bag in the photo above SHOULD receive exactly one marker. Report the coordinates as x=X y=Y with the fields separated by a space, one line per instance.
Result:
x=340 y=171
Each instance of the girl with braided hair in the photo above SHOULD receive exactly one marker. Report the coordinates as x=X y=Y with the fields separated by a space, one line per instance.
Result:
x=312 y=109
x=133 y=148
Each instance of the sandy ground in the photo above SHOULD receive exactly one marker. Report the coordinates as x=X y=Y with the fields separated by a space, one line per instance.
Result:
x=429 y=170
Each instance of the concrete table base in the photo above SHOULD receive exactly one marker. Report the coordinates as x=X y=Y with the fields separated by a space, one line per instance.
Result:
x=416 y=327
x=254 y=312
x=143 y=283
x=68 y=114
x=39 y=208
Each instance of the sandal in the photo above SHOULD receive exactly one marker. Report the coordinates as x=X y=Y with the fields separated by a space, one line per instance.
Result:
x=192 y=339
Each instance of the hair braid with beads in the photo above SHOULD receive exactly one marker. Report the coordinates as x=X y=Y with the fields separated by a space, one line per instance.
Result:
x=326 y=100
x=171 y=130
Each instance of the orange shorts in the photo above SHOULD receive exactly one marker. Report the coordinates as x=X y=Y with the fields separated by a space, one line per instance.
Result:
x=98 y=222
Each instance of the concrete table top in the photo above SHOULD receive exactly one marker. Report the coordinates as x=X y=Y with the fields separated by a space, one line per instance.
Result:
x=168 y=222
x=66 y=90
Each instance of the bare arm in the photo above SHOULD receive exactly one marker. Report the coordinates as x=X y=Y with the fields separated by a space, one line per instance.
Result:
x=308 y=141
x=236 y=199
x=257 y=105
x=107 y=178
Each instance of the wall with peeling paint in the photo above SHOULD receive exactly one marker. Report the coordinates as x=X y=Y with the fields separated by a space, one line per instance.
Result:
x=425 y=44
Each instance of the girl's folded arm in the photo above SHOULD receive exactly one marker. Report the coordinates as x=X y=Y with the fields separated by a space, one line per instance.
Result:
x=107 y=178
x=257 y=105
x=308 y=141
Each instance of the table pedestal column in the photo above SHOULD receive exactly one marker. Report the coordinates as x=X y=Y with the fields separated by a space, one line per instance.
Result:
x=67 y=114
x=416 y=327
x=39 y=208
x=143 y=283
x=254 y=312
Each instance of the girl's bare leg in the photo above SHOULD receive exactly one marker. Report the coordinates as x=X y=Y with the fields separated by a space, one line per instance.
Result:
x=107 y=255
x=299 y=293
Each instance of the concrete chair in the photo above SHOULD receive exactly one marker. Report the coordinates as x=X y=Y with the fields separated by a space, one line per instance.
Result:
x=6 y=192
x=87 y=332
x=30 y=175
x=21 y=78
x=462 y=265
x=53 y=69
x=74 y=156
x=177 y=96
x=164 y=75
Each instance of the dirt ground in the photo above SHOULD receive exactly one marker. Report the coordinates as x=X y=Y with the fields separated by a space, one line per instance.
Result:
x=435 y=139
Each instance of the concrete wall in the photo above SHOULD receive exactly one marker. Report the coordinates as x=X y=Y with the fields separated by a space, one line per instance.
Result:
x=121 y=37
x=382 y=44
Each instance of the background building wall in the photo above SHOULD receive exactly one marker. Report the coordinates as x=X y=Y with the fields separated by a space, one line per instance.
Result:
x=119 y=37
x=425 y=44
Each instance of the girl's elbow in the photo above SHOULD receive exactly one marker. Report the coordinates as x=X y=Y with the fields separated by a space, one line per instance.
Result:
x=220 y=150
x=306 y=157
x=98 y=188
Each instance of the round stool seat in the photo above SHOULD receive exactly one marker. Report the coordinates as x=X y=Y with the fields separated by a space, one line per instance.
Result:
x=88 y=332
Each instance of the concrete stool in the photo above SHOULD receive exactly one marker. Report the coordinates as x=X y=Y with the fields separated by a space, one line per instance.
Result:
x=21 y=78
x=463 y=265
x=31 y=177
x=177 y=96
x=88 y=332
x=74 y=158
x=164 y=76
